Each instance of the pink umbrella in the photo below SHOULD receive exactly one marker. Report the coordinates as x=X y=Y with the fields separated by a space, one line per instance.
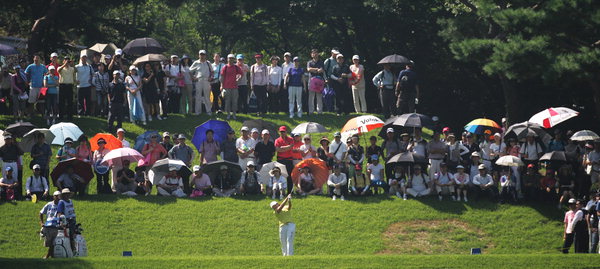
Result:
x=121 y=154
x=550 y=117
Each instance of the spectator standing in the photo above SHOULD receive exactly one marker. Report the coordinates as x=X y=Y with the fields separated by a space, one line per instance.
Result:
x=259 y=78
x=437 y=153
x=215 y=84
x=576 y=228
x=242 y=84
x=274 y=86
x=117 y=94
x=40 y=154
x=329 y=64
x=209 y=149
x=264 y=149
x=391 y=147
x=187 y=100
x=67 y=151
x=294 y=83
x=84 y=151
x=18 y=87
x=307 y=149
x=83 y=78
x=184 y=153
x=121 y=137
x=284 y=145
x=385 y=81
x=338 y=150
x=316 y=73
x=357 y=83
x=101 y=82
x=54 y=63
x=339 y=80
x=531 y=150
x=102 y=182
x=11 y=156
x=35 y=77
x=150 y=90
x=175 y=82
x=407 y=90
x=285 y=68
x=245 y=147
x=373 y=148
x=133 y=83
x=203 y=74
x=116 y=62
x=51 y=84
x=231 y=74
x=66 y=81
x=229 y=149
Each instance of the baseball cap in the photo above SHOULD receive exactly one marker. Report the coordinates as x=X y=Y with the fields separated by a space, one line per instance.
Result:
x=165 y=134
x=265 y=131
x=355 y=57
x=475 y=154
x=132 y=67
x=460 y=167
x=116 y=72
x=230 y=56
x=306 y=137
x=120 y=130
x=8 y=168
x=296 y=59
x=196 y=168
x=245 y=129
x=389 y=130
x=107 y=56
x=250 y=163
x=82 y=54
x=54 y=54
x=282 y=129
x=337 y=134
x=36 y=166
x=530 y=165
x=335 y=51
x=239 y=56
x=295 y=134
x=254 y=130
x=374 y=157
x=174 y=56
x=287 y=54
x=118 y=52
x=258 y=55
x=572 y=201
x=271 y=204
x=481 y=167
x=56 y=193
x=101 y=140
x=68 y=140
x=181 y=136
x=65 y=190
x=51 y=67
x=446 y=129
x=339 y=56
x=202 y=52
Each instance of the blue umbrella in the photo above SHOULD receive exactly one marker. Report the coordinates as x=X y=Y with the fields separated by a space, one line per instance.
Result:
x=7 y=50
x=143 y=139
x=219 y=127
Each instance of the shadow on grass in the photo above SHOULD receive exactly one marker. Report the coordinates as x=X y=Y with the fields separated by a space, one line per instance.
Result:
x=446 y=205
x=370 y=199
x=41 y=263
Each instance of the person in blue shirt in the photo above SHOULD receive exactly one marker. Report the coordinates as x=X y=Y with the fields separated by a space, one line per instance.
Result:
x=50 y=225
x=35 y=76
x=66 y=209
x=294 y=81
x=407 y=90
x=557 y=143
x=51 y=82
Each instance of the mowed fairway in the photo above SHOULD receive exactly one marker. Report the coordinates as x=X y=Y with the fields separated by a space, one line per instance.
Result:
x=371 y=232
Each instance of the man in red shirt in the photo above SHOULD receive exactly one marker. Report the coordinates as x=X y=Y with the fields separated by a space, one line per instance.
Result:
x=284 y=145
x=230 y=74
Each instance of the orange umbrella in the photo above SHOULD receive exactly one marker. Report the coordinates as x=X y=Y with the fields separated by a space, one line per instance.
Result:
x=111 y=141
x=317 y=168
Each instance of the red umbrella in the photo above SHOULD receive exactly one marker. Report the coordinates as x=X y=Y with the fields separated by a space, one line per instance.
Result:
x=81 y=168
x=317 y=168
x=112 y=142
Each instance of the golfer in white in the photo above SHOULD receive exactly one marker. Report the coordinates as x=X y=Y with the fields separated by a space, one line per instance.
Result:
x=287 y=228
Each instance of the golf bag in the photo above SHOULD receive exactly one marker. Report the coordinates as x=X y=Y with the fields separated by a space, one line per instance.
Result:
x=80 y=243
x=328 y=99
x=62 y=245
x=252 y=103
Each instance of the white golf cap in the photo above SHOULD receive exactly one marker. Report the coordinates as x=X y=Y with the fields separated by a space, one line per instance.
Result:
x=118 y=52
x=65 y=190
x=36 y=166
x=339 y=56
x=334 y=51
x=181 y=136
x=116 y=72
x=83 y=54
x=475 y=154
x=196 y=168
x=355 y=57
x=272 y=204
x=54 y=54
x=287 y=54
x=165 y=134
x=56 y=193
x=265 y=131
x=107 y=56
x=572 y=201
x=250 y=163
x=132 y=67
x=481 y=167
x=120 y=130
x=245 y=128
x=230 y=56
x=389 y=130
x=254 y=130
x=174 y=56
x=202 y=52
x=51 y=67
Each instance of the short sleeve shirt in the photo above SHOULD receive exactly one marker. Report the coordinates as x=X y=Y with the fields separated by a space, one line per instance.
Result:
x=36 y=72
x=281 y=142
x=375 y=171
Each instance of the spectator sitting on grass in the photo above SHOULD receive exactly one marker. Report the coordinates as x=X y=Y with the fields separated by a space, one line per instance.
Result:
x=307 y=184
x=249 y=180
x=224 y=185
x=200 y=183
x=418 y=185
x=461 y=179
x=171 y=184
x=37 y=184
x=548 y=186
x=507 y=183
x=359 y=182
x=398 y=182
x=444 y=182
x=126 y=184
x=70 y=180
x=8 y=184
x=277 y=183
x=375 y=174
x=143 y=185
x=484 y=184
x=337 y=183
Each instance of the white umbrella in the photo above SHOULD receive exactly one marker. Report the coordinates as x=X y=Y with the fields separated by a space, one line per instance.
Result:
x=584 y=135
x=509 y=160
x=1 y=140
x=63 y=130
x=309 y=127
x=161 y=168
x=29 y=139
x=266 y=168
x=550 y=117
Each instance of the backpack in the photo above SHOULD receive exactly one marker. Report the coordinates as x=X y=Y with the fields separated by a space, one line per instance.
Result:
x=62 y=245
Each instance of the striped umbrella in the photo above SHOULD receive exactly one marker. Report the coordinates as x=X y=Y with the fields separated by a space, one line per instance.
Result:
x=550 y=117
x=584 y=135
x=483 y=125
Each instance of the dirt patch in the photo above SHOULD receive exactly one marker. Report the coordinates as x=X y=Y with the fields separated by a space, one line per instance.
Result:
x=433 y=237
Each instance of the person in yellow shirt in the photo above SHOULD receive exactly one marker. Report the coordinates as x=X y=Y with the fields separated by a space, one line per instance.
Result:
x=287 y=227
